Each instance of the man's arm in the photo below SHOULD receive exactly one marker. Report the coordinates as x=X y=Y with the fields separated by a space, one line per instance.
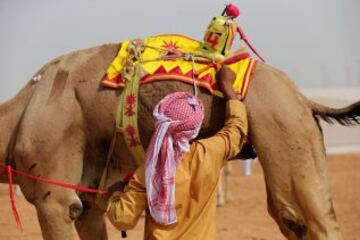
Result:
x=228 y=142
x=125 y=207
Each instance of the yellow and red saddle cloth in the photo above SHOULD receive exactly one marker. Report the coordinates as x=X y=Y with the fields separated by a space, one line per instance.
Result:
x=157 y=64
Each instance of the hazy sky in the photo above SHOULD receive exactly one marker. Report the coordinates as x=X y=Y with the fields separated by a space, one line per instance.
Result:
x=316 y=42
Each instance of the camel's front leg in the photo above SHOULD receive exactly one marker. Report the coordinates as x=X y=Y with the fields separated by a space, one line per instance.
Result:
x=51 y=144
x=57 y=207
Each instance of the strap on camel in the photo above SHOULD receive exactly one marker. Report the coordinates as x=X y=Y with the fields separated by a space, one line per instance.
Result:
x=127 y=112
x=127 y=115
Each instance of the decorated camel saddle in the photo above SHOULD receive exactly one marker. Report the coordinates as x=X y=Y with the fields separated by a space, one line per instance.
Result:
x=179 y=58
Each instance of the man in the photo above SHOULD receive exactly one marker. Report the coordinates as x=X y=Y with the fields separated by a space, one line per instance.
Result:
x=177 y=185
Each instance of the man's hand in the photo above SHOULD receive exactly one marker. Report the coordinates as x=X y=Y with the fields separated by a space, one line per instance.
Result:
x=116 y=187
x=225 y=78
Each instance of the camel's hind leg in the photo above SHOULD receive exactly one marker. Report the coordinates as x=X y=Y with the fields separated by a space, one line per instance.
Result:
x=299 y=195
x=50 y=144
x=290 y=148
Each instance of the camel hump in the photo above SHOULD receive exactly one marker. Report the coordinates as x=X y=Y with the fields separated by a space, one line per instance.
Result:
x=349 y=115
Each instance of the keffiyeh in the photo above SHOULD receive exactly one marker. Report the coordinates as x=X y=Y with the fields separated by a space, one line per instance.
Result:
x=178 y=118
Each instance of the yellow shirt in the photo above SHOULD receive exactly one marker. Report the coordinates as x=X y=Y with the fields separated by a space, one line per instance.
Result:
x=195 y=186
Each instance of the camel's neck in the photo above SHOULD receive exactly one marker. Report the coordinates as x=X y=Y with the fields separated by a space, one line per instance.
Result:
x=10 y=114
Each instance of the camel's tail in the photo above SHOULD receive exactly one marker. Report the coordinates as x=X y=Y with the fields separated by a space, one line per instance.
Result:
x=346 y=116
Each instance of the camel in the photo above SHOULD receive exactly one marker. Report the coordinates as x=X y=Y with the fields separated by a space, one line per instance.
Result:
x=60 y=128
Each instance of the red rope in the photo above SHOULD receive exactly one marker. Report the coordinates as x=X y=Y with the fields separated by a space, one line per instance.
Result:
x=10 y=171
x=60 y=184
x=12 y=199
x=245 y=39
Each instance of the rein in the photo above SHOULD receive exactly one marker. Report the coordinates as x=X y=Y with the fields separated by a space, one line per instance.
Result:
x=10 y=172
x=246 y=40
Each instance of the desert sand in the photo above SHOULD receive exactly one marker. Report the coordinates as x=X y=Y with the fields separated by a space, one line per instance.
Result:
x=245 y=218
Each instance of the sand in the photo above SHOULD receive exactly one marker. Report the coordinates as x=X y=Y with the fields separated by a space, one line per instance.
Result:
x=245 y=218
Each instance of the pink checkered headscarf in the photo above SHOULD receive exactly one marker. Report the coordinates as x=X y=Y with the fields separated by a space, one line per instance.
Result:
x=178 y=118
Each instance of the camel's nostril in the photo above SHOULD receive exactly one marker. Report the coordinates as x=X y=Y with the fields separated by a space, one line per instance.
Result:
x=75 y=210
